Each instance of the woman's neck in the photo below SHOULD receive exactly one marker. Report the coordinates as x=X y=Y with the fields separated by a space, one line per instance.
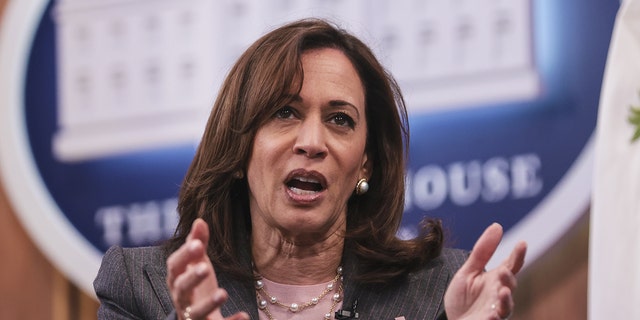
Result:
x=289 y=261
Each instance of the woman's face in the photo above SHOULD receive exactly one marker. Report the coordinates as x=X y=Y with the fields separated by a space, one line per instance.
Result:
x=308 y=157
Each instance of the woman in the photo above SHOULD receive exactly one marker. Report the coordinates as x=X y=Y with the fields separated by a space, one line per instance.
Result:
x=290 y=207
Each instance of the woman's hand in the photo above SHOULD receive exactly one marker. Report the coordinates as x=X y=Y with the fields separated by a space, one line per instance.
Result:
x=192 y=280
x=476 y=294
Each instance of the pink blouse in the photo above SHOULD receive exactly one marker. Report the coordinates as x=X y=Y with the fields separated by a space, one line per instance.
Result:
x=288 y=294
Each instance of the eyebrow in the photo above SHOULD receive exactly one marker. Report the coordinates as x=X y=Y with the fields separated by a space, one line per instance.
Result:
x=342 y=103
x=332 y=103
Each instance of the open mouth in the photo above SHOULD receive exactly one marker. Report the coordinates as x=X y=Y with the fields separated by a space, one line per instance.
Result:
x=305 y=182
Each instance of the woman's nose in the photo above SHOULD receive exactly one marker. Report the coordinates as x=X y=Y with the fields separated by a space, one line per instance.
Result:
x=310 y=141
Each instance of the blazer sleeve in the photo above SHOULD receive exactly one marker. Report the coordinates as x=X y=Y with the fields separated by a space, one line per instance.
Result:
x=114 y=286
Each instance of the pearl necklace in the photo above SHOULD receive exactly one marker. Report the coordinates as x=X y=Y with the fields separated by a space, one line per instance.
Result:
x=263 y=296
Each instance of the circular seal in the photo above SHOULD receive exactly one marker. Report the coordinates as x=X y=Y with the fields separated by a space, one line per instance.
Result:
x=102 y=104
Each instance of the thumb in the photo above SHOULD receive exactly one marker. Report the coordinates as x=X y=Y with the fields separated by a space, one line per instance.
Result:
x=483 y=249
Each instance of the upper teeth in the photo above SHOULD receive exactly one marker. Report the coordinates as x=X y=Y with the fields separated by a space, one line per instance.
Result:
x=312 y=180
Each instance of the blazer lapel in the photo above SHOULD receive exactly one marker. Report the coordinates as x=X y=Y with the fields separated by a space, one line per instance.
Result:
x=157 y=275
x=418 y=296
x=242 y=297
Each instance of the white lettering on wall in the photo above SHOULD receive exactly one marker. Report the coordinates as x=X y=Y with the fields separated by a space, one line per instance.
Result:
x=495 y=174
x=524 y=174
x=466 y=183
x=433 y=187
x=138 y=224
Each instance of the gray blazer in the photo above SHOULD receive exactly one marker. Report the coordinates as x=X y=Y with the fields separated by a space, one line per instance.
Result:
x=131 y=284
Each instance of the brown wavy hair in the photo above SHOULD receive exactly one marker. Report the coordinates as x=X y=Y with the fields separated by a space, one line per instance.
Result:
x=260 y=83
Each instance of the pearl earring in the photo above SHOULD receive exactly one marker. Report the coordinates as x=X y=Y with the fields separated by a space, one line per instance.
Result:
x=238 y=174
x=362 y=187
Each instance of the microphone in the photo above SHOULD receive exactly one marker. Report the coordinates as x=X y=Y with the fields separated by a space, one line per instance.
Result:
x=348 y=313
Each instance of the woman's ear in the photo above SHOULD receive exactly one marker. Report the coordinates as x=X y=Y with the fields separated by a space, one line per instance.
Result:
x=367 y=167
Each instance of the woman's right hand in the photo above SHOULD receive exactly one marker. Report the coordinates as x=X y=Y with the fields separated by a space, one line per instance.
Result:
x=192 y=280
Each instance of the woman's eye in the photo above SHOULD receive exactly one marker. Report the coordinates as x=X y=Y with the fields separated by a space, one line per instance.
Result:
x=342 y=119
x=284 y=113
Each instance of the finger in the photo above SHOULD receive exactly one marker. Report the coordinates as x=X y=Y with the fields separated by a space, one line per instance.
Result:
x=239 y=316
x=483 y=249
x=515 y=261
x=190 y=252
x=505 y=303
x=199 y=230
x=506 y=278
x=209 y=304
x=186 y=282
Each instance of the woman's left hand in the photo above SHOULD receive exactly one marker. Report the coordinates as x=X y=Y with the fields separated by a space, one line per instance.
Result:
x=478 y=294
x=192 y=280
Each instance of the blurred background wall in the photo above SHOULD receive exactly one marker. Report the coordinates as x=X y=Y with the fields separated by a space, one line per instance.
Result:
x=553 y=287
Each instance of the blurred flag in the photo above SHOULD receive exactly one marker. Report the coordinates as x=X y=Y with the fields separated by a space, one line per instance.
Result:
x=614 y=257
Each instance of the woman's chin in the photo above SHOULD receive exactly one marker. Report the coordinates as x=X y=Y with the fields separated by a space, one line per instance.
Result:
x=305 y=230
